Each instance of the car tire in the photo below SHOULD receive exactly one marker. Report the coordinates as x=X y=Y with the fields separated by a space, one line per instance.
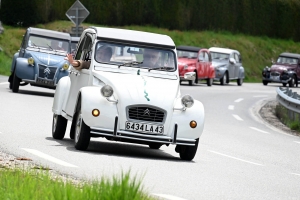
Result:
x=240 y=81
x=292 y=82
x=59 y=125
x=187 y=152
x=73 y=126
x=155 y=145
x=196 y=79
x=15 y=83
x=209 y=81
x=82 y=133
x=265 y=82
x=190 y=83
x=223 y=80
x=284 y=84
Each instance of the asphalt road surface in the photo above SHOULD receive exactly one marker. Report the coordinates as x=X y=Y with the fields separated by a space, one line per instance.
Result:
x=239 y=156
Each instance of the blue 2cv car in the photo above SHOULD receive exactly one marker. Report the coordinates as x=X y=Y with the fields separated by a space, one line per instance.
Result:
x=40 y=60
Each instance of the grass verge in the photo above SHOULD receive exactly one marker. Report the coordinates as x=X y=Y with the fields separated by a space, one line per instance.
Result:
x=37 y=185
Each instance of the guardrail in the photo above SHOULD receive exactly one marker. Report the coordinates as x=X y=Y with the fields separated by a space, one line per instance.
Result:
x=290 y=100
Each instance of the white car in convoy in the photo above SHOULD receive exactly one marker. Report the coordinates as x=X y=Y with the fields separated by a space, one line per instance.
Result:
x=124 y=99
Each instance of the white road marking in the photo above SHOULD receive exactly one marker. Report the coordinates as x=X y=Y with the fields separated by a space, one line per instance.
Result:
x=47 y=157
x=259 y=130
x=4 y=83
x=169 y=197
x=294 y=141
x=239 y=100
x=257 y=96
x=295 y=174
x=235 y=158
x=230 y=107
x=237 y=117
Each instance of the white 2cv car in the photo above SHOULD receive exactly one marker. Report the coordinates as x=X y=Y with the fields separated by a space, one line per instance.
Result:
x=124 y=98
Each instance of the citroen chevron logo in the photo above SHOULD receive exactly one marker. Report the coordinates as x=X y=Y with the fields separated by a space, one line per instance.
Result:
x=147 y=112
x=47 y=72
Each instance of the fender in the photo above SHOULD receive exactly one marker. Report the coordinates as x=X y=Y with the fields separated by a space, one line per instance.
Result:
x=183 y=119
x=24 y=70
x=61 y=95
x=212 y=73
x=242 y=73
x=91 y=98
x=13 y=64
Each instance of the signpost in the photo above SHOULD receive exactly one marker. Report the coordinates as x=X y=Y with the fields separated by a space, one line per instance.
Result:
x=77 y=13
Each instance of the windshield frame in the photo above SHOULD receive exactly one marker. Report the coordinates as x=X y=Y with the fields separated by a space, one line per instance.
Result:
x=65 y=43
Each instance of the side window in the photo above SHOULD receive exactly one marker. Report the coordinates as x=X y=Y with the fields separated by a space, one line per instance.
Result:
x=201 y=56
x=206 y=57
x=236 y=57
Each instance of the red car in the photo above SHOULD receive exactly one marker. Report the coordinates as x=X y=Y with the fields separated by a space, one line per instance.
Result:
x=194 y=64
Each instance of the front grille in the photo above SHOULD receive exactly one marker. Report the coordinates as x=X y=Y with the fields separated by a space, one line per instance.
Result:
x=146 y=114
x=47 y=72
x=275 y=74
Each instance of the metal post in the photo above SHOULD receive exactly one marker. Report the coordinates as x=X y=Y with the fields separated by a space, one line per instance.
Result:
x=77 y=22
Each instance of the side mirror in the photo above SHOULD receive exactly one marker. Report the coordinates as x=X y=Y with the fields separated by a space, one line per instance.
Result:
x=232 y=60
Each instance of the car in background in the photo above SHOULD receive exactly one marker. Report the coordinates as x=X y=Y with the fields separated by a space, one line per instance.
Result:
x=285 y=70
x=228 y=65
x=126 y=99
x=40 y=60
x=74 y=42
x=194 y=65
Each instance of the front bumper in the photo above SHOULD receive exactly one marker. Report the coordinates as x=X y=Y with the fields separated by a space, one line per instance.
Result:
x=285 y=78
x=38 y=81
x=141 y=138
x=189 y=76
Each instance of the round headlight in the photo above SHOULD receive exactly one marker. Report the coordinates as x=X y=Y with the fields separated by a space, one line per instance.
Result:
x=107 y=91
x=30 y=61
x=65 y=66
x=187 y=101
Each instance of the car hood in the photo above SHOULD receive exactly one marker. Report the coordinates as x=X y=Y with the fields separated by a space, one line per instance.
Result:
x=280 y=68
x=218 y=63
x=46 y=59
x=132 y=89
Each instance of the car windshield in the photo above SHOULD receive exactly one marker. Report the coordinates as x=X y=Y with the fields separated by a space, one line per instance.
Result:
x=287 y=60
x=187 y=54
x=53 y=44
x=135 y=56
x=216 y=56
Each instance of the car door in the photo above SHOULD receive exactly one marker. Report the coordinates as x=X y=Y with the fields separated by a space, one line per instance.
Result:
x=231 y=67
x=298 y=69
x=201 y=64
x=238 y=64
x=79 y=78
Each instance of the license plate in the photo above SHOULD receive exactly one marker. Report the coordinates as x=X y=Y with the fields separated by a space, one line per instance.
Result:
x=275 y=77
x=47 y=82
x=144 y=128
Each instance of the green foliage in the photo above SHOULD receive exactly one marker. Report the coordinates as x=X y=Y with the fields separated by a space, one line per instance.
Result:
x=272 y=18
x=35 y=185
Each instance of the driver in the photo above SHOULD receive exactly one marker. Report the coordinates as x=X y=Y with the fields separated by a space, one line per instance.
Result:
x=151 y=57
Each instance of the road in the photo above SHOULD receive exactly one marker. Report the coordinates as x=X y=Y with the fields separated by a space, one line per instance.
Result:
x=239 y=156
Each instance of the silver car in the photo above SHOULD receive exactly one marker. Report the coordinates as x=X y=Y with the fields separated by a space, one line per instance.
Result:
x=228 y=65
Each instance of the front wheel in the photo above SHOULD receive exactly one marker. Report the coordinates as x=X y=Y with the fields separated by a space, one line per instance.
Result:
x=240 y=81
x=187 y=152
x=190 y=82
x=82 y=133
x=59 y=125
x=15 y=83
x=292 y=82
x=223 y=80
x=209 y=81
x=265 y=82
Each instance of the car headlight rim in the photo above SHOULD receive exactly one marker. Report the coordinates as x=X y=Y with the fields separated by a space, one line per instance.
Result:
x=107 y=91
x=30 y=61
x=187 y=101
x=65 y=66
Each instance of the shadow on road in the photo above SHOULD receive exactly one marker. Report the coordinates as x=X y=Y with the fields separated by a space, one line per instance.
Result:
x=120 y=150
x=37 y=93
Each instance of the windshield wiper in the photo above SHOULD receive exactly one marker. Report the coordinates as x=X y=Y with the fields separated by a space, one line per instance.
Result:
x=130 y=64
x=50 y=47
x=161 y=68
